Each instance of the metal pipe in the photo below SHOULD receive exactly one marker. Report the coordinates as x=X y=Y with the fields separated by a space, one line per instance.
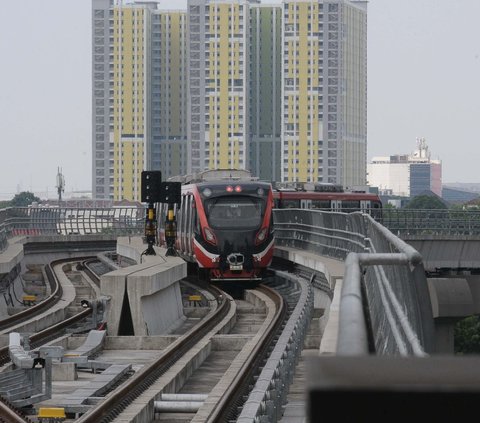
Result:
x=352 y=330
x=184 y=397
x=177 y=406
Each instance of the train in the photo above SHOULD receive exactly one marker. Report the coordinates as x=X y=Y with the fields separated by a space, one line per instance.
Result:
x=224 y=225
x=326 y=197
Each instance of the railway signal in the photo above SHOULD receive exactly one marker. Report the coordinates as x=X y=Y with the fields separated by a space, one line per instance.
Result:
x=156 y=191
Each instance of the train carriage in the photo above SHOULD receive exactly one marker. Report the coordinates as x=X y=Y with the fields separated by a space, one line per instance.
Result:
x=326 y=197
x=224 y=225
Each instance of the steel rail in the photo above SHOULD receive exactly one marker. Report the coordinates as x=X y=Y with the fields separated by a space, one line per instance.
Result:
x=55 y=330
x=229 y=402
x=9 y=414
x=55 y=296
x=125 y=394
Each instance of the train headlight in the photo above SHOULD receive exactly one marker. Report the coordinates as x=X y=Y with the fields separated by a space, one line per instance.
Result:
x=209 y=236
x=261 y=236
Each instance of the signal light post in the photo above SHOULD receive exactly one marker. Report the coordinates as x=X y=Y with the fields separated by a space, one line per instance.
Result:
x=156 y=191
x=170 y=231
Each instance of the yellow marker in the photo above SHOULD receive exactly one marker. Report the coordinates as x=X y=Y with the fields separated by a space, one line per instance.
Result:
x=194 y=298
x=30 y=298
x=51 y=413
x=170 y=214
x=150 y=214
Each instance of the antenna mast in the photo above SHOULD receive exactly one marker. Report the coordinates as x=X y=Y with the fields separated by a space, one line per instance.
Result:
x=60 y=184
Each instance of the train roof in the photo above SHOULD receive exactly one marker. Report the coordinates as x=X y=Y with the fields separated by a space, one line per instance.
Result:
x=309 y=186
x=295 y=194
x=214 y=175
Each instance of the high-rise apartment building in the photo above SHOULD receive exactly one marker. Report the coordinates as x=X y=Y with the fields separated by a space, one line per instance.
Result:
x=277 y=89
x=218 y=78
x=121 y=87
x=265 y=47
x=102 y=163
x=324 y=103
x=169 y=93
x=139 y=95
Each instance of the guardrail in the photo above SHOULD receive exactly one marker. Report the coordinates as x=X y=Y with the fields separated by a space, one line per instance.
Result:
x=33 y=221
x=403 y=222
x=385 y=306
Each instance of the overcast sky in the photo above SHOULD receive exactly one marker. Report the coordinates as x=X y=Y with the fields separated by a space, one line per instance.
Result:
x=423 y=81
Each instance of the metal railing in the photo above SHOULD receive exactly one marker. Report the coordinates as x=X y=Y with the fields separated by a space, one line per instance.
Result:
x=34 y=221
x=385 y=305
x=404 y=222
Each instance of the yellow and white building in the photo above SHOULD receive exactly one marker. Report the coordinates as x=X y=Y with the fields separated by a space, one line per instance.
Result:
x=279 y=89
x=218 y=78
x=324 y=106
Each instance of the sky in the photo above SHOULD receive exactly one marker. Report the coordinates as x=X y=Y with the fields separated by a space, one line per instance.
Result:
x=423 y=81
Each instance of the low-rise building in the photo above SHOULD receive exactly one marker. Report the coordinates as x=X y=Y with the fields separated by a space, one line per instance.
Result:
x=406 y=175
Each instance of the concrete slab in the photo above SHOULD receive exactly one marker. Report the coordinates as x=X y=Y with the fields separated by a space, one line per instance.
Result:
x=92 y=345
x=12 y=255
x=332 y=269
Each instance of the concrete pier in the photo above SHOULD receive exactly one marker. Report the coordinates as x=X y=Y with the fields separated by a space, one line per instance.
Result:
x=145 y=299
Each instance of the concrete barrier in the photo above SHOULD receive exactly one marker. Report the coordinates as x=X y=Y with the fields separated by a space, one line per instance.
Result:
x=145 y=299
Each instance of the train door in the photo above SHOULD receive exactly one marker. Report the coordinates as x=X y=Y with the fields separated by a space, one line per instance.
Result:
x=365 y=205
x=336 y=205
x=305 y=204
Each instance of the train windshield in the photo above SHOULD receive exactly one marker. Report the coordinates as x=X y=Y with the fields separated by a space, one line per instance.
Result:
x=234 y=212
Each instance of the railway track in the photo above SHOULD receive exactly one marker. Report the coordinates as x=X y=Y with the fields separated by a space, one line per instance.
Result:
x=257 y=321
x=31 y=317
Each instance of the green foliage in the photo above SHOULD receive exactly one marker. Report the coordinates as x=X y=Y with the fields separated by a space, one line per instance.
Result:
x=426 y=202
x=467 y=336
x=23 y=199
x=4 y=204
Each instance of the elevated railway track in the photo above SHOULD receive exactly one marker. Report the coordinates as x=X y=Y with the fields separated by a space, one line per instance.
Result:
x=338 y=235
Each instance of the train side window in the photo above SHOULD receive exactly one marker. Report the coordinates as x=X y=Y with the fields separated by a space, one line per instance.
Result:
x=179 y=213
x=196 y=222
x=291 y=204
x=189 y=229
x=350 y=205
x=321 y=204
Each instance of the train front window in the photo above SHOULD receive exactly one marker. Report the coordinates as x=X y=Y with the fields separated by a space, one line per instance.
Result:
x=234 y=212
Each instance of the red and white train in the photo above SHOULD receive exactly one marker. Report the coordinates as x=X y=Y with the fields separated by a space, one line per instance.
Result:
x=224 y=225
x=326 y=197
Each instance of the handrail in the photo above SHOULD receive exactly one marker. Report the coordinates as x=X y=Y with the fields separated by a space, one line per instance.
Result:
x=383 y=276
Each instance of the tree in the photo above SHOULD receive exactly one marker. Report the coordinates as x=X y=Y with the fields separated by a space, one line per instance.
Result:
x=426 y=202
x=23 y=199
x=467 y=336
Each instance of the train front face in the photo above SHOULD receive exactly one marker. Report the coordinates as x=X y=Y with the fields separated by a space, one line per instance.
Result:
x=235 y=240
